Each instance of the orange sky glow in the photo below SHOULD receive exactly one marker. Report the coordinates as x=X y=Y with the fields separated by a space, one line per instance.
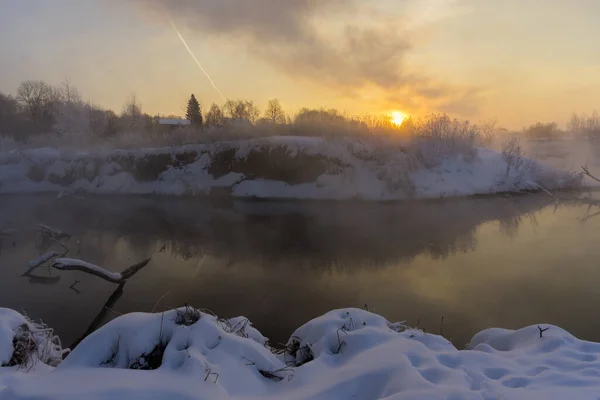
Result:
x=512 y=61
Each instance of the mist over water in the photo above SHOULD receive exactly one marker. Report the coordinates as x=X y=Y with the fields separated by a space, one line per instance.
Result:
x=482 y=262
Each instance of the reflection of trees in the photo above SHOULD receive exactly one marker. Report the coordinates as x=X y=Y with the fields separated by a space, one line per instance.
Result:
x=509 y=226
x=321 y=235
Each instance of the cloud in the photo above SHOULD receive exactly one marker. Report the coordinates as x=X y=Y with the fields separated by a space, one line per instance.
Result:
x=343 y=44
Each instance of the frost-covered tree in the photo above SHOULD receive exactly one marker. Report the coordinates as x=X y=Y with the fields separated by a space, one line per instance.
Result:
x=193 y=112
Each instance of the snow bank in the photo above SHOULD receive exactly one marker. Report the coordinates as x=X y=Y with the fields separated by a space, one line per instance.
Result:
x=351 y=353
x=276 y=167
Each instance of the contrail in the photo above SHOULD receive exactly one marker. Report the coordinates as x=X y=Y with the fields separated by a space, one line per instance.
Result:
x=194 y=57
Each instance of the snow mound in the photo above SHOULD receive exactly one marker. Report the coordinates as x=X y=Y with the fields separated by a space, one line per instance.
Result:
x=277 y=167
x=349 y=353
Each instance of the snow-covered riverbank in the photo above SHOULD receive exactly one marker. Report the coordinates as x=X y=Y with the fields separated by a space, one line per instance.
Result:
x=279 y=167
x=350 y=353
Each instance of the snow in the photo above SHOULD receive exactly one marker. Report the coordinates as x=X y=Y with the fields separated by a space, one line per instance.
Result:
x=349 y=169
x=66 y=263
x=41 y=259
x=348 y=353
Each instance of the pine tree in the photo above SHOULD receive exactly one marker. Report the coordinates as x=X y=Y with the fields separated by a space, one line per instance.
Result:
x=193 y=112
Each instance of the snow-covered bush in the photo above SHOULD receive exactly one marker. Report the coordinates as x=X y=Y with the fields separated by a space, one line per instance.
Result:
x=438 y=136
x=24 y=343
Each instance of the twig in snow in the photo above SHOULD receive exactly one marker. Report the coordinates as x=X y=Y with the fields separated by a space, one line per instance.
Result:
x=341 y=343
x=250 y=362
x=27 y=157
x=442 y=328
x=542 y=330
x=273 y=374
x=162 y=317
x=209 y=373
x=113 y=357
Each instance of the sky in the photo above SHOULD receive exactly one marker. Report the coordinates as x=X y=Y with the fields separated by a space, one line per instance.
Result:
x=514 y=61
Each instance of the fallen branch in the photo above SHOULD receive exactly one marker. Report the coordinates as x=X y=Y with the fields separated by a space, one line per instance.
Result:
x=71 y=264
x=586 y=172
x=33 y=264
x=57 y=234
x=129 y=272
x=61 y=244
x=110 y=303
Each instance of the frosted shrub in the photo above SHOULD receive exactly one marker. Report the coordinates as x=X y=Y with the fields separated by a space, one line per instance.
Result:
x=438 y=136
x=512 y=156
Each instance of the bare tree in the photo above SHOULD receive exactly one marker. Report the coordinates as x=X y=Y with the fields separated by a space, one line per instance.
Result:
x=511 y=154
x=69 y=93
x=585 y=125
x=132 y=107
x=274 y=112
x=241 y=110
x=72 y=114
x=132 y=113
x=214 y=117
x=39 y=100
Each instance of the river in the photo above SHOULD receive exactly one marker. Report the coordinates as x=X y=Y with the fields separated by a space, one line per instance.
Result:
x=477 y=263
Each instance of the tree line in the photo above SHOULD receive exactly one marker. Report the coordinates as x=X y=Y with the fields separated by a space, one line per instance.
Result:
x=40 y=108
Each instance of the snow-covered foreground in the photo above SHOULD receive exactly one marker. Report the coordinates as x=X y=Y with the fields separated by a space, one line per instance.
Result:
x=344 y=354
x=278 y=167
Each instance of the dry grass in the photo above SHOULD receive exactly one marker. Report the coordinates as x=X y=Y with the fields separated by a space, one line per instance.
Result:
x=33 y=343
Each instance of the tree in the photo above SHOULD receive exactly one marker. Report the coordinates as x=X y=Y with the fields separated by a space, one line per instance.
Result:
x=69 y=93
x=321 y=116
x=11 y=121
x=72 y=114
x=193 y=112
x=39 y=100
x=543 y=130
x=274 y=112
x=132 y=114
x=585 y=125
x=241 y=110
x=215 y=117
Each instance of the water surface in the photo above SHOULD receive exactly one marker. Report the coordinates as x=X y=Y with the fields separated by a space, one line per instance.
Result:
x=494 y=261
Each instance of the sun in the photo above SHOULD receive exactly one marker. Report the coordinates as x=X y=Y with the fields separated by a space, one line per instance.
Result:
x=397 y=118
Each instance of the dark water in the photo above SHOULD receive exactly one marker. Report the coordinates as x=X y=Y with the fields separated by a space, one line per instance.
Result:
x=497 y=261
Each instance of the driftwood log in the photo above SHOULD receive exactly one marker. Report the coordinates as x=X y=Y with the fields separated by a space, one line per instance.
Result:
x=68 y=264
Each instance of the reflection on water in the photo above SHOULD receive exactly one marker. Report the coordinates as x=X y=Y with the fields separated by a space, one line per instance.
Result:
x=478 y=262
